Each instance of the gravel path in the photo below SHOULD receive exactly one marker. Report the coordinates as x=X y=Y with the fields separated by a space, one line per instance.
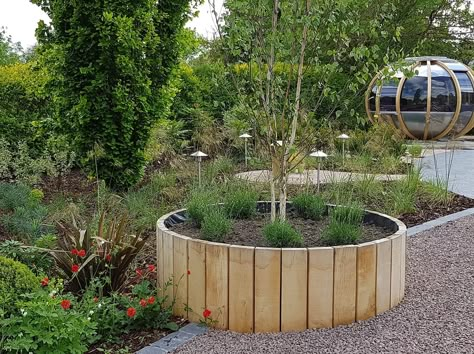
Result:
x=436 y=316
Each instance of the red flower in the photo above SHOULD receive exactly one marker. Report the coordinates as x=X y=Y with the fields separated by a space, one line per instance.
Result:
x=143 y=303
x=151 y=300
x=75 y=268
x=74 y=252
x=189 y=272
x=151 y=268
x=206 y=313
x=139 y=272
x=45 y=281
x=81 y=253
x=108 y=258
x=66 y=304
x=96 y=299
x=131 y=312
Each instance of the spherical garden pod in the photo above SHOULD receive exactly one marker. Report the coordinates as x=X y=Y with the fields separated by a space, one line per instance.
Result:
x=438 y=100
x=258 y=289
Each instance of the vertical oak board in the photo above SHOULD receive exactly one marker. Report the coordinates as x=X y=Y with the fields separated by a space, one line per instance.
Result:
x=403 y=266
x=160 y=265
x=241 y=288
x=320 y=287
x=168 y=267
x=384 y=264
x=294 y=289
x=180 y=268
x=217 y=283
x=345 y=279
x=196 y=279
x=267 y=289
x=396 y=270
x=366 y=277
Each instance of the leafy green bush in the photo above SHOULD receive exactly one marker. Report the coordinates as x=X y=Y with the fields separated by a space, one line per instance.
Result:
x=199 y=204
x=15 y=279
x=46 y=325
x=309 y=206
x=39 y=262
x=282 y=234
x=352 y=214
x=241 y=202
x=415 y=150
x=13 y=196
x=27 y=222
x=341 y=234
x=215 y=225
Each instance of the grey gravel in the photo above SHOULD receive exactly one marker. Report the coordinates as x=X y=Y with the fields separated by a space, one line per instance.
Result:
x=436 y=316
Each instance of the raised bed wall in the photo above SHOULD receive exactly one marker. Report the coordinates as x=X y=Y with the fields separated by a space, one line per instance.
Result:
x=254 y=289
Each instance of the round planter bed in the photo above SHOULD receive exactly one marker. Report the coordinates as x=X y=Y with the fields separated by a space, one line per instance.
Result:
x=259 y=289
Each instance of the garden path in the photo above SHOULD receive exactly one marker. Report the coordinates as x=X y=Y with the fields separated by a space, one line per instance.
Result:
x=436 y=315
x=310 y=176
x=455 y=166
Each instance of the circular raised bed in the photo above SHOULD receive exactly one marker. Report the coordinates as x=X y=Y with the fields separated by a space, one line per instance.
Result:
x=256 y=289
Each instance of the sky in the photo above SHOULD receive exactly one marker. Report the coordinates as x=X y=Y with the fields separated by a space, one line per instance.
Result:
x=20 y=17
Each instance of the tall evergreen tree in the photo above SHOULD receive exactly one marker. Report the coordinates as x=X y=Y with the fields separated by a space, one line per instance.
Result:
x=115 y=58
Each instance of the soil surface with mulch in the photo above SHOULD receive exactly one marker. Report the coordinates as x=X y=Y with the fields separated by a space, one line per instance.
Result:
x=426 y=211
x=249 y=232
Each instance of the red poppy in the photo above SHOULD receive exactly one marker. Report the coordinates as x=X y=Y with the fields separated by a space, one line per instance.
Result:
x=151 y=268
x=44 y=281
x=96 y=299
x=108 y=258
x=151 y=300
x=206 y=313
x=66 y=304
x=75 y=268
x=143 y=303
x=81 y=253
x=74 y=252
x=131 y=312
x=189 y=272
x=139 y=272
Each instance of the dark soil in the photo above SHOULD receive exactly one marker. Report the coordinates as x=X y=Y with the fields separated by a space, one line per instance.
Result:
x=249 y=232
x=426 y=211
x=75 y=185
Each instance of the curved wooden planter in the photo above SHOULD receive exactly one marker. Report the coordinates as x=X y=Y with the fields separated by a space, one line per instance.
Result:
x=255 y=289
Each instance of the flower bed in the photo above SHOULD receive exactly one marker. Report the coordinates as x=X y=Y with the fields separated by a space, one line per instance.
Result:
x=257 y=289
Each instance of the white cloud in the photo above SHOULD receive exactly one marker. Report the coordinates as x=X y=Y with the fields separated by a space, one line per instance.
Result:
x=21 y=18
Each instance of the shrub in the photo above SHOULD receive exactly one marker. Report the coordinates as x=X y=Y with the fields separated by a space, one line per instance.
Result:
x=27 y=222
x=15 y=279
x=106 y=252
x=341 y=234
x=352 y=214
x=309 y=206
x=415 y=150
x=38 y=261
x=241 y=203
x=199 y=204
x=218 y=168
x=14 y=195
x=282 y=234
x=44 y=326
x=215 y=225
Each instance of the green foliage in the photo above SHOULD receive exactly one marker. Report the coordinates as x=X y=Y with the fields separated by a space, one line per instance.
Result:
x=9 y=51
x=15 y=279
x=415 y=150
x=199 y=204
x=437 y=192
x=241 y=202
x=110 y=312
x=403 y=194
x=39 y=261
x=24 y=216
x=218 y=169
x=112 y=77
x=108 y=252
x=215 y=225
x=338 y=233
x=351 y=214
x=309 y=206
x=42 y=326
x=282 y=234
